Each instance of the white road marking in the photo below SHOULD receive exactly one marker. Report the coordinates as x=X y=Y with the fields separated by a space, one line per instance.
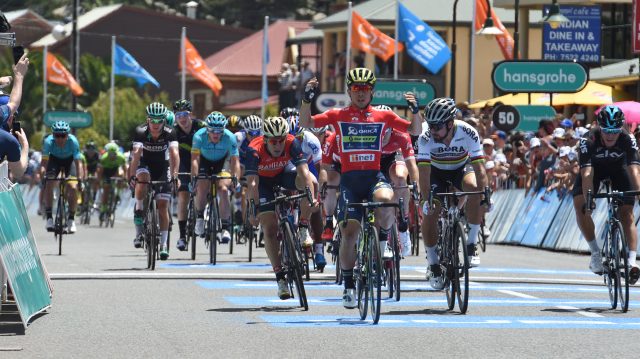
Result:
x=564 y=307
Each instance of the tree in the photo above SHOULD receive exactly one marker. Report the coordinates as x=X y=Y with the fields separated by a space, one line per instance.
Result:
x=129 y=113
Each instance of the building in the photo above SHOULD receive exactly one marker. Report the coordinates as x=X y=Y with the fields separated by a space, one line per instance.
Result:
x=28 y=26
x=153 y=38
x=239 y=68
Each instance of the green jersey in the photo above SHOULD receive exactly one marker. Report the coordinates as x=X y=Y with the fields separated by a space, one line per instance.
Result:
x=112 y=163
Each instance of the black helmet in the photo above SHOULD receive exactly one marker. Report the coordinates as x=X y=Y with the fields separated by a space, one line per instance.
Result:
x=610 y=118
x=288 y=112
x=182 y=105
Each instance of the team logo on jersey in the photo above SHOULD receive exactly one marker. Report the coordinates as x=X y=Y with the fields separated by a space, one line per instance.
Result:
x=362 y=158
x=272 y=166
x=361 y=136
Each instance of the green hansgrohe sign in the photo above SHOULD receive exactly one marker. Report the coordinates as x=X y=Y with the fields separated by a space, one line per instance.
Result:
x=530 y=116
x=75 y=119
x=539 y=76
x=20 y=258
x=391 y=93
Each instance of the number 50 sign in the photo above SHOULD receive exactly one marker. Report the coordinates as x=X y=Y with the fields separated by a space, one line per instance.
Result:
x=506 y=118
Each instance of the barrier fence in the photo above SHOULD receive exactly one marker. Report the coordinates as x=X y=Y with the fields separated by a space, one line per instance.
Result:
x=22 y=268
x=542 y=220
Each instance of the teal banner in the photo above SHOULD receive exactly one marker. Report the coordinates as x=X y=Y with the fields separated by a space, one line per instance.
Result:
x=530 y=116
x=76 y=119
x=22 y=265
x=539 y=76
x=391 y=93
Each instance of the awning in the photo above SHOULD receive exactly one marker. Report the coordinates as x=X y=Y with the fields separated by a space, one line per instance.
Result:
x=617 y=73
x=594 y=94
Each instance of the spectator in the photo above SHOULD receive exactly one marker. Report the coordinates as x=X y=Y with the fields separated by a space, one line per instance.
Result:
x=558 y=137
x=579 y=118
x=284 y=91
x=500 y=138
x=14 y=146
x=549 y=151
x=566 y=124
x=295 y=83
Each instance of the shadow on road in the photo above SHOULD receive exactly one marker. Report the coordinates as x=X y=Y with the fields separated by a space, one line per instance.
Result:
x=589 y=310
x=10 y=322
x=275 y=309
x=421 y=312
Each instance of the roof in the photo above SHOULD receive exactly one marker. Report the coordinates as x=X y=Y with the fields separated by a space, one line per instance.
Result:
x=309 y=35
x=12 y=16
x=244 y=58
x=253 y=104
x=438 y=11
x=83 y=21
x=97 y=14
x=623 y=71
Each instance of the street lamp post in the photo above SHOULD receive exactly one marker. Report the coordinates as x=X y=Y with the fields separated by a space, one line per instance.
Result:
x=555 y=18
x=74 y=50
x=452 y=84
x=516 y=34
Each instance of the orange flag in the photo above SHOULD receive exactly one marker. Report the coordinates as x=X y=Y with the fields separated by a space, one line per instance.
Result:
x=58 y=74
x=505 y=41
x=367 y=38
x=199 y=70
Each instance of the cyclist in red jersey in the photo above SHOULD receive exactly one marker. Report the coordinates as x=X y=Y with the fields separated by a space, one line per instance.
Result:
x=359 y=128
x=267 y=165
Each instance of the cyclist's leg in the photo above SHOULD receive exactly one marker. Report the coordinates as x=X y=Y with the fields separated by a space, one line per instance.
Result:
x=621 y=181
x=142 y=175
x=183 y=202
x=224 y=202
x=429 y=225
x=71 y=190
x=385 y=216
x=473 y=210
x=585 y=222
x=52 y=170
x=398 y=175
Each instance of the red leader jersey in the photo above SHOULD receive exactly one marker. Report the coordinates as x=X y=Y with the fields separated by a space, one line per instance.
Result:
x=260 y=162
x=359 y=134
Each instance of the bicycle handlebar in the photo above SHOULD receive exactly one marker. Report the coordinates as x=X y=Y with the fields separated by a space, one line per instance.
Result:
x=285 y=198
x=613 y=194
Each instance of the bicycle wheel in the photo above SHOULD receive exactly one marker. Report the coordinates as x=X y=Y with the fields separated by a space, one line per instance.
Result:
x=609 y=267
x=621 y=266
x=360 y=274
x=153 y=237
x=396 y=263
x=294 y=266
x=59 y=223
x=335 y=253
x=248 y=230
x=415 y=229
x=375 y=274
x=482 y=240
x=448 y=259
x=306 y=259
x=113 y=200
x=461 y=268
x=191 y=223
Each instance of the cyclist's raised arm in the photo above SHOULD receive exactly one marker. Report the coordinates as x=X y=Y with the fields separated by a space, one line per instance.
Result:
x=136 y=153
x=305 y=107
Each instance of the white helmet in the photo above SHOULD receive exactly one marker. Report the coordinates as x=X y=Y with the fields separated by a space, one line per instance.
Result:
x=275 y=127
x=252 y=123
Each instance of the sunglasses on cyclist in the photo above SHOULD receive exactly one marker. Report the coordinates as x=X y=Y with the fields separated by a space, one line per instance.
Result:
x=359 y=88
x=215 y=130
x=438 y=127
x=254 y=133
x=611 y=131
x=60 y=135
x=156 y=121
x=276 y=140
x=182 y=114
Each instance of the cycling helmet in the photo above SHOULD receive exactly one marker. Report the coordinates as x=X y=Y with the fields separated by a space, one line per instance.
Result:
x=275 y=127
x=361 y=75
x=60 y=127
x=383 y=108
x=288 y=112
x=90 y=145
x=182 y=105
x=294 y=125
x=111 y=147
x=234 y=121
x=319 y=129
x=216 y=120
x=170 y=118
x=610 y=118
x=440 y=110
x=252 y=123
x=156 y=111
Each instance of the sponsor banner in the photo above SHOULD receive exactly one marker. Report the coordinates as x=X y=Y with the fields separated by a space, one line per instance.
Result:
x=361 y=136
x=576 y=40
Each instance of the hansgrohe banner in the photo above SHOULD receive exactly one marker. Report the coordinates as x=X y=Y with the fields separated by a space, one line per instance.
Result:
x=20 y=258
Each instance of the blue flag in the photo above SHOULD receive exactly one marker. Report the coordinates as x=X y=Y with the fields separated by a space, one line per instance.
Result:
x=423 y=44
x=265 y=58
x=124 y=64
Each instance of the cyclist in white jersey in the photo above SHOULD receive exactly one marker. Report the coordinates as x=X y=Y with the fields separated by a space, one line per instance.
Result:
x=449 y=151
x=312 y=152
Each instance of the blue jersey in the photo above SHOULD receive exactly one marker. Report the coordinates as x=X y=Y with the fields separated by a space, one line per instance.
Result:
x=71 y=148
x=227 y=146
